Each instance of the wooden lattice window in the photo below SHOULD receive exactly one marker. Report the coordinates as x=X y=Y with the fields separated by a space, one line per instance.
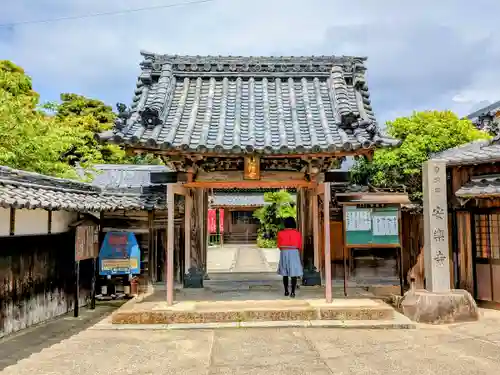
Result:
x=488 y=236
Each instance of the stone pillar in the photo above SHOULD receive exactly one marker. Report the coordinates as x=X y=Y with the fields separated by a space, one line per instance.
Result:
x=436 y=247
x=437 y=304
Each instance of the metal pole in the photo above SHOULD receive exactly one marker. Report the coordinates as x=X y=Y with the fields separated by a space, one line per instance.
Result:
x=328 y=257
x=170 y=245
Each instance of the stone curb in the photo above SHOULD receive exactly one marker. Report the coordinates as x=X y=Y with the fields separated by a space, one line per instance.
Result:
x=399 y=322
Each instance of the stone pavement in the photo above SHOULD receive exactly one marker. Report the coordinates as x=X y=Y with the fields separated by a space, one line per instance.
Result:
x=32 y=340
x=221 y=259
x=241 y=258
x=462 y=349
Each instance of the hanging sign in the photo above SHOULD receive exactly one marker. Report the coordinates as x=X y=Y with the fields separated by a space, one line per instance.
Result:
x=86 y=240
x=212 y=221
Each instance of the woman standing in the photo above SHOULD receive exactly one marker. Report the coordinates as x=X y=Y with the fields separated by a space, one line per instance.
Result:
x=290 y=243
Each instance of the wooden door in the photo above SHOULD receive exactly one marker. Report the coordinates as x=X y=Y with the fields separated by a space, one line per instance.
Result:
x=487 y=256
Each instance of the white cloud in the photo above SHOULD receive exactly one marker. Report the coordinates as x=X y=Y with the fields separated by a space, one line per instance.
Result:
x=423 y=54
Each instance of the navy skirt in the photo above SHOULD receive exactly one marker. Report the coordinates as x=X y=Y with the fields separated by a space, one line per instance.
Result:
x=290 y=264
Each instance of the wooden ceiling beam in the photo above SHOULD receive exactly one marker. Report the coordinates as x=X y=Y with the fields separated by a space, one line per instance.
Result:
x=249 y=184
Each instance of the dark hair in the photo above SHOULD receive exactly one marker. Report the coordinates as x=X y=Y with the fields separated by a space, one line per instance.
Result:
x=290 y=223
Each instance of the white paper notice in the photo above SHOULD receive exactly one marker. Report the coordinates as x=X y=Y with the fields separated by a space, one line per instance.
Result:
x=359 y=220
x=385 y=226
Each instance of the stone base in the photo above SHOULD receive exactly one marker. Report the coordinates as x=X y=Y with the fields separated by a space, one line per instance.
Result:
x=311 y=278
x=254 y=310
x=439 y=308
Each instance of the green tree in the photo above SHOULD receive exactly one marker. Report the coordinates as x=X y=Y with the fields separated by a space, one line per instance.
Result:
x=87 y=117
x=422 y=134
x=279 y=205
x=30 y=139
x=91 y=116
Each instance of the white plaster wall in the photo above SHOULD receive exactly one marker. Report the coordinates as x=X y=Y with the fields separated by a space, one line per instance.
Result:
x=4 y=221
x=29 y=222
x=61 y=220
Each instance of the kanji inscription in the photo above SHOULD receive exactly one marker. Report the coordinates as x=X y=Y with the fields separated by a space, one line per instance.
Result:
x=436 y=248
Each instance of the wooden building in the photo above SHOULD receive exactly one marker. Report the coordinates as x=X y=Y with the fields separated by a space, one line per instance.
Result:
x=145 y=217
x=38 y=215
x=239 y=224
x=249 y=122
x=474 y=211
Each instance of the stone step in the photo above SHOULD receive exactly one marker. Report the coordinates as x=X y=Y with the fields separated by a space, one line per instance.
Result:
x=256 y=310
x=398 y=322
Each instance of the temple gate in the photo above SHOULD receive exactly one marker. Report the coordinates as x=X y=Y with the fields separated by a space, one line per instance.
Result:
x=249 y=123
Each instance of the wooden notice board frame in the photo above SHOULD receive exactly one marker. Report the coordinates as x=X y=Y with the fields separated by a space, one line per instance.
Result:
x=366 y=240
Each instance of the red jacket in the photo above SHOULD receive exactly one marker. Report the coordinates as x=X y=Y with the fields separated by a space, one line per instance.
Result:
x=289 y=238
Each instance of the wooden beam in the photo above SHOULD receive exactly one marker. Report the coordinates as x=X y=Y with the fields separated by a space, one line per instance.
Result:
x=188 y=207
x=179 y=189
x=320 y=189
x=328 y=257
x=49 y=222
x=191 y=155
x=249 y=184
x=315 y=218
x=169 y=280
x=12 y=221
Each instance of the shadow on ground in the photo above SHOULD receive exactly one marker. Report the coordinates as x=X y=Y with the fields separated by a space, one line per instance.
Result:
x=20 y=345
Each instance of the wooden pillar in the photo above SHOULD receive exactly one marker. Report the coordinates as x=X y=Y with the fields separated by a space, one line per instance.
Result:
x=12 y=221
x=201 y=225
x=151 y=260
x=169 y=259
x=315 y=214
x=203 y=228
x=49 y=222
x=328 y=263
x=188 y=207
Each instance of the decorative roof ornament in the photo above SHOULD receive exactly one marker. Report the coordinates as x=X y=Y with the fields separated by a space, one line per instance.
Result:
x=150 y=117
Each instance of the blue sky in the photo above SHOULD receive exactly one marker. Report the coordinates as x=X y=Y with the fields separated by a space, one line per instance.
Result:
x=421 y=54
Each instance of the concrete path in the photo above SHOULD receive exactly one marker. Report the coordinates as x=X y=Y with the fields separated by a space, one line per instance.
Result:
x=240 y=258
x=250 y=259
x=221 y=259
x=463 y=349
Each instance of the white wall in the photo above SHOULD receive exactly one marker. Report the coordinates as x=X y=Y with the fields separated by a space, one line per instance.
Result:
x=61 y=220
x=29 y=222
x=4 y=221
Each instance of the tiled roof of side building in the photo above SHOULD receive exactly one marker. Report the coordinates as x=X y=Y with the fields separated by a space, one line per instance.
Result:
x=480 y=186
x=21 y=189
x=286 y=105
x=240 y=199
x=477 y=152
x=124 y=177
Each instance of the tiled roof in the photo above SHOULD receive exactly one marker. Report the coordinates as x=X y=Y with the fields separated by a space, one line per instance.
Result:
x=21 y=189
x=477 y=152
x=480 y=186
x=250 y=104
x=124 y=177
x=492 y=108
x=240 y=199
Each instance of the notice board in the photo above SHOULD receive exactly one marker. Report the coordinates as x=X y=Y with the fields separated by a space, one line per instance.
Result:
x=375 y=226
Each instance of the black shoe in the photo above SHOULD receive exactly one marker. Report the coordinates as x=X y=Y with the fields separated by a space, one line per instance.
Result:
x=292 y=295
x=286 y=293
